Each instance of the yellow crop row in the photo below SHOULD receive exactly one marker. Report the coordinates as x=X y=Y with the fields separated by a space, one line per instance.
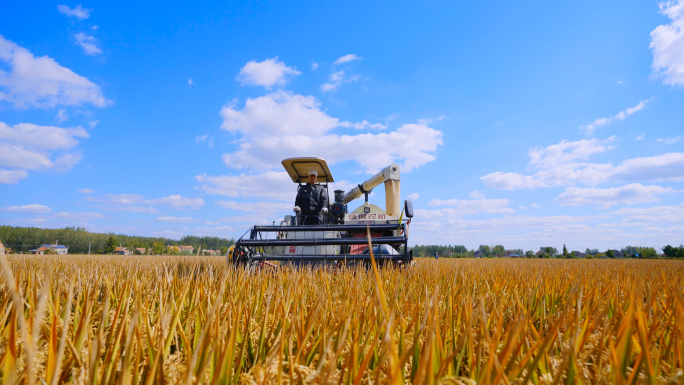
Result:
x=146 y=319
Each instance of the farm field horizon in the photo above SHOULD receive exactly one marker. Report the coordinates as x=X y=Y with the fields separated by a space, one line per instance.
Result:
x=182 y=319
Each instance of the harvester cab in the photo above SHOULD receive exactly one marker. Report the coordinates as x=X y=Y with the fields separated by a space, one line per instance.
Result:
x=338 y=236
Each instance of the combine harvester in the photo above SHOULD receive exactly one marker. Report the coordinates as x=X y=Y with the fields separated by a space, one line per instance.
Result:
x=342 y=237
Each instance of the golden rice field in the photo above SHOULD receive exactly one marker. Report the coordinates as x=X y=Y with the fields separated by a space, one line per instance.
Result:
x=146 y=319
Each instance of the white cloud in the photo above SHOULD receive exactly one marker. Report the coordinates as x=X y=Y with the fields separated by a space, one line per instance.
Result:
x=12 y=176
x=32 y=209
x=476 y=195
x=565 y=152
x=19 y=157
x=41 y=137
x=314 y=66
x=281 y=125
x=625 y=195
x=271 y=184
x=83 y=216
x=86 y=191
x=642 y=136
x=556 y=166
x=175 y=219
x=190 y=82
x=667 y=44
x=474 y=206
x=346 y=58
x=670 y=140
x=511 y=181
x=336 y=79
x=534 y=205
x=88 y=43
x=122 y=202
x=256 y=207
x=178 y=201
x=278 y=113
x=363 y=125
x=65 y=162
x=78 y=12
x=413 y=197
x=203 y=138
x=218 y=231
x=61 y=115
x=122 y=199
x=661 y=167
x=589 y=128
x=267 y=73
x=133 y=209
x=42 y=82
x=656 y=214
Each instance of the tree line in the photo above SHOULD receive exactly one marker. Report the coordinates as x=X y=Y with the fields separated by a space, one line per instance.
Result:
x=460 y=251
x=80 y=241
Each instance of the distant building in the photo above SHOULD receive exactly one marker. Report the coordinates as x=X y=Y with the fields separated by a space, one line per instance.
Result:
x=579 y=254
x=57 y=249
x=478 y=254
x=60 y=249
x=173 y=249
x=122 y=251
x=209 y=252
x=187 y=249
x=140 y=250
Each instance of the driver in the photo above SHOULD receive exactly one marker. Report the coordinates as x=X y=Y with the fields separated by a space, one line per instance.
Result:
x=312 y=200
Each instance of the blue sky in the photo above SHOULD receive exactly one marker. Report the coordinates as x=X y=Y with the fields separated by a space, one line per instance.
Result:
x=522 y=124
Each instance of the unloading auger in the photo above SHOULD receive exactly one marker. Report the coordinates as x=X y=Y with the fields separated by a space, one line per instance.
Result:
x=342 y=237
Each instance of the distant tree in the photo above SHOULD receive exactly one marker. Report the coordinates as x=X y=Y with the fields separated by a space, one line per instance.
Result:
x=551 y=251
x=649 y=253
x=224 y=250
x=674 y=252
x=499 y=250
x=565 y=251
x=591 y=251
x=529 y=253
x=572 y=255
x=111 y=245
x=158 y=248
x=610 y=253
x=460 y=249
x=485 y=250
